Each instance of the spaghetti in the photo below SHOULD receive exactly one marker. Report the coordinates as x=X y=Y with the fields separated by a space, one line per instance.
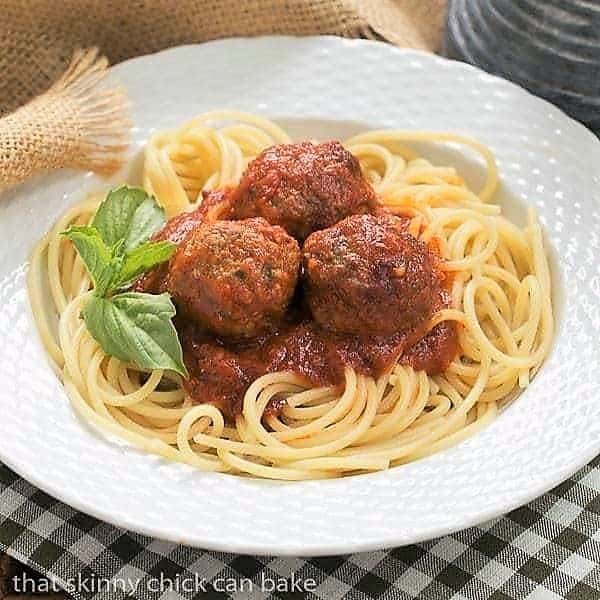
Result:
x=500 y=295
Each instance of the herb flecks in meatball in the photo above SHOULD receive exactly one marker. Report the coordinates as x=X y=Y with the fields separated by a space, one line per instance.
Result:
x=368 y=275
x=235 y=278
x=214 y=206
x=303 y=187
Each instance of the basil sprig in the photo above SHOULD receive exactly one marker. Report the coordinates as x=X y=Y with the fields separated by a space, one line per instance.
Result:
x=115 y=248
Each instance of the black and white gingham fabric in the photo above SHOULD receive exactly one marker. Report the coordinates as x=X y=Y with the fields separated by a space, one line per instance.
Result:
x=547 y=550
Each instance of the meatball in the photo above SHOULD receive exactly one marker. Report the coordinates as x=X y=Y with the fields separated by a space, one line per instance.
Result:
x=215 y=205
x=235 y=278
x=368 y=275
x=303 y=187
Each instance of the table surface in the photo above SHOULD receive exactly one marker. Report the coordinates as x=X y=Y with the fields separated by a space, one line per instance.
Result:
x=546 y=550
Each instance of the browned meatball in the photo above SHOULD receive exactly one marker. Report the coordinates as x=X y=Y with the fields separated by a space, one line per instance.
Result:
x=235 y=278
x=367 y=275
x=303 y=187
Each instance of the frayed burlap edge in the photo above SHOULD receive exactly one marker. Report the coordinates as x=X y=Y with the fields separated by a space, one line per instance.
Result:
x=76 y=124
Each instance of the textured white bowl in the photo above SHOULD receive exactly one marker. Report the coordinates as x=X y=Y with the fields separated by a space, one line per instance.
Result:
x=325 y=87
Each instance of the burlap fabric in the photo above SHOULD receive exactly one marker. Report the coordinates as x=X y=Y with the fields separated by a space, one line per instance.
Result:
x=75 y=123
x=38 y=37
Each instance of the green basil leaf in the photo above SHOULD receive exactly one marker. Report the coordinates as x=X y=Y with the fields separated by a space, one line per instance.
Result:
x=96 y=255
x=129 y=214
x=143 y=258
x=133 y=327
x=148 y=219
x=137 y=328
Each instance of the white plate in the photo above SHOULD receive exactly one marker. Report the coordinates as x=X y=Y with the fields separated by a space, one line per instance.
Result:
x=325 y=87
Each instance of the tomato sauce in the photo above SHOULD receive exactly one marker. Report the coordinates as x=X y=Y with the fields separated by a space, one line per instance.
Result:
x=222 y=371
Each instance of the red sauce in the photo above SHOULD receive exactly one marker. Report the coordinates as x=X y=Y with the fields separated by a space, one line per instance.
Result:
x=434 y=352
x=221 y=372
x=219 y=375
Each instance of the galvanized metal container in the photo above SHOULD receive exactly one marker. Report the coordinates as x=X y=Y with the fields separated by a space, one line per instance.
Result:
x=551 y=47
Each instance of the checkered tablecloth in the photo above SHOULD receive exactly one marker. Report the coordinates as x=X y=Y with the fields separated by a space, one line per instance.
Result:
x=547 y=550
